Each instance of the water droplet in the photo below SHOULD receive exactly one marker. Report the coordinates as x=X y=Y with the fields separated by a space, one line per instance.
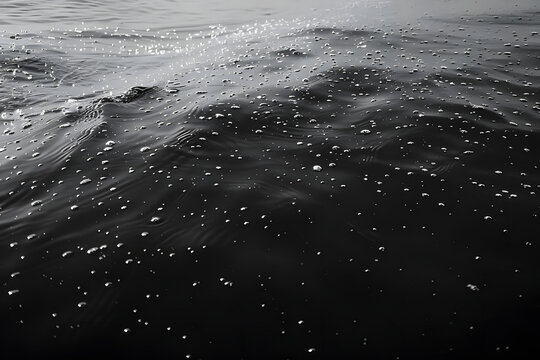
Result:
x=92 y=250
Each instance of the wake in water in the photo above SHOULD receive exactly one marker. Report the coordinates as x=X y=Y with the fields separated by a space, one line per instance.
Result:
x=283 y=189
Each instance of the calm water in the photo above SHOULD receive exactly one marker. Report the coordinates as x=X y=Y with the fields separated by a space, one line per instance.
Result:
x=233 y=180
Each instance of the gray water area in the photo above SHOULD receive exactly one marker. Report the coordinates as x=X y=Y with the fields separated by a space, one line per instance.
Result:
x=269 y=180
x=161 y=13
x=158 y=13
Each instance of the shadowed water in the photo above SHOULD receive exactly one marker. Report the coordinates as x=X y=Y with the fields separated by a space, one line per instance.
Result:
x=279 y=186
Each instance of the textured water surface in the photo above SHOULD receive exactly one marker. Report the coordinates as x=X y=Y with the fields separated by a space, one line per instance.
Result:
x=262 y=182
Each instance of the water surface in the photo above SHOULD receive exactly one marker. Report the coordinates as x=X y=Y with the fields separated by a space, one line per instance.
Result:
x=278 y=181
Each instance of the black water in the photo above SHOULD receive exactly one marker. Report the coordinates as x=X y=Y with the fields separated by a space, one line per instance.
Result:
x=238 y=181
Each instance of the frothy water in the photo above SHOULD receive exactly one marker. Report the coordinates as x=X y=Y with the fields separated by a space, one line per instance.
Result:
x=229 y=180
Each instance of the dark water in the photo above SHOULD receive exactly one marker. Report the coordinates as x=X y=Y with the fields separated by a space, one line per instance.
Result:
x=239 y=181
